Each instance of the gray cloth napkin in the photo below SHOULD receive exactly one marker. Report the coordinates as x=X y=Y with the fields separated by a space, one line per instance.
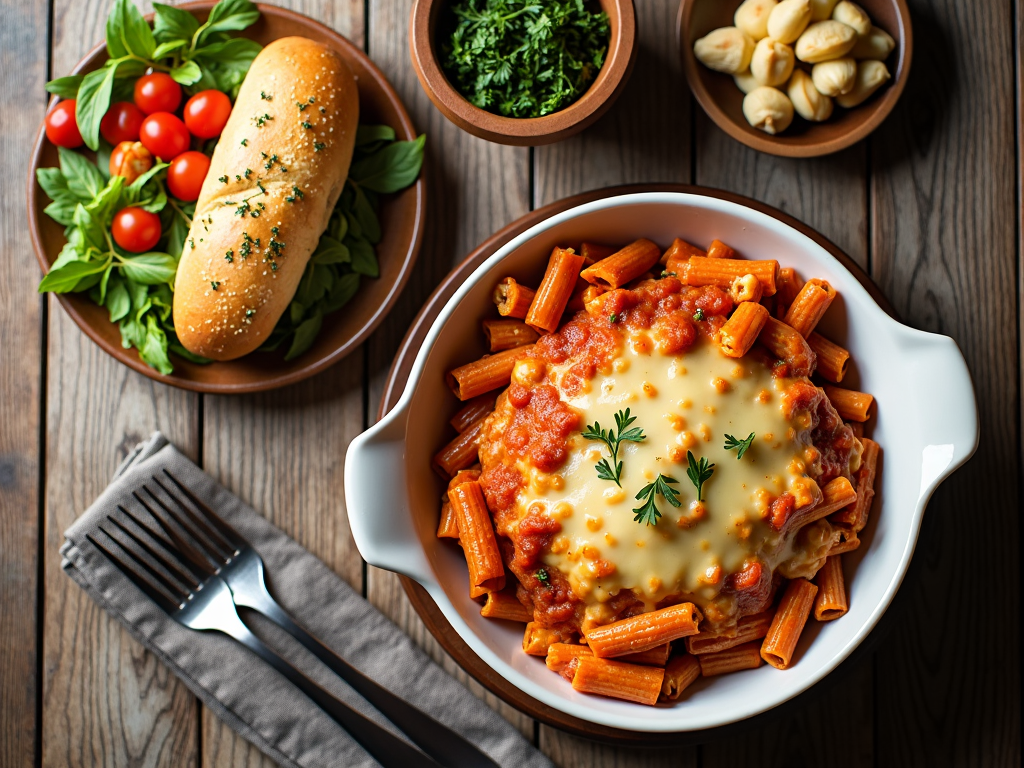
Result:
x=242 y=689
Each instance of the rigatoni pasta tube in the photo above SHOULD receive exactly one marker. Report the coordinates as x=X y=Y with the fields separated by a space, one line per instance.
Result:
x=740 y=331
x=513 y=299
x=746 y=288
x=473 y=410
x=461 y=452
x=748 y=628
x=594 y=252
x=719 y=250
x=848 y=542
x=680 y=673
x=746 y=656
x=476 y=533
x=833 y=360
x=560 y=654
x=505 y=605
x=653 y=657
x=853 y=518
x=618 y=680
x=537 y=639
x=487 y=374
x=508 y=334
x=447 y=527
x=850 y=404
x=789 y=346
x=789 y=287
x=625 y=265
x=788 y=624
x=644 y=631
x=555 y=289
x=831 y=602
x=680 y=252
x=721 y=272
x=809 y=306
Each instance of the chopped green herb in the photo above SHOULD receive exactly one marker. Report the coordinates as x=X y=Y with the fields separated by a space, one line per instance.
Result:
x=223 y=179
x=323 y=110
x=666 y=273
x=248 y=172
x=699 y=473
x=214 y=284
x=318 y=145
x=648 y=512
x=698 y=315
x=312 y=100
x=250 y=312
x=300 y=105
x=192 y=242
x=306 y=124
x=613 y=318
x=261 y=120
x=244 y=142
x=743 y=445
x=612 y=438
x=229 y=255
x=265 y=96
x=543 y=578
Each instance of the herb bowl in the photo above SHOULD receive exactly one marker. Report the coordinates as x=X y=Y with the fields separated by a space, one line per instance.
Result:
x=402 y=216
x=533 y=131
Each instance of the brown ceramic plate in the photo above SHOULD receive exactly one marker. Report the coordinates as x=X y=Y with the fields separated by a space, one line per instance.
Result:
x=723 y=101
x=423 y=32
x=402 y=217
x=396 y=382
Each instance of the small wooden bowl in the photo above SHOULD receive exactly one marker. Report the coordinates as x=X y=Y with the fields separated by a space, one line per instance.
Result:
x=723 y=101
x=402 y=217
x=531 y=131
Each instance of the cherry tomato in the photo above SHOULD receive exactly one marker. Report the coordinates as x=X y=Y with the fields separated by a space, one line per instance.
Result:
x=61 y=126
x=186 y=175
x=207 y=113
x=157 y=93
x=122 y=122
x=136 y=230
x=130 y=159
x=164 y=135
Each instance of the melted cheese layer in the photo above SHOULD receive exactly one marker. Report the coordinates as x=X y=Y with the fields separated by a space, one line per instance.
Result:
x=682 y=402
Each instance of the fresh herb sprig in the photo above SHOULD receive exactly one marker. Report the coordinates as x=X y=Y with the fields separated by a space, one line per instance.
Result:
x=613 y=438
x=743 y=445
x=699 y=473
x=523 y=58
x=648 y=512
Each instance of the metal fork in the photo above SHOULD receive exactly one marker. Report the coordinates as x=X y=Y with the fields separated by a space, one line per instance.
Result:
x=224 y=553
x=206 y=605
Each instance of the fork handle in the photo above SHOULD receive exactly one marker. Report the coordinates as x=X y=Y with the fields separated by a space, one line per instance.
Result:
x=437 y=740
x=387 y=748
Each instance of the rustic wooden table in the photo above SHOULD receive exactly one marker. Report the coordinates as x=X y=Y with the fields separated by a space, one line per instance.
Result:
x=929 y=205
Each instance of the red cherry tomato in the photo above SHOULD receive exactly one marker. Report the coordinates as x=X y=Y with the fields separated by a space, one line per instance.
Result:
x=61 y=126
x=164 y=135
x=186 y=175
x=122 y=122
x=157 y=93
x=207 y=113
x=136 y=230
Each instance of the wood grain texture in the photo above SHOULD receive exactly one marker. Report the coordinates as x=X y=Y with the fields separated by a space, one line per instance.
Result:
x=943 y=192
x=572 y=752
x=20 y=373
x=474 y=188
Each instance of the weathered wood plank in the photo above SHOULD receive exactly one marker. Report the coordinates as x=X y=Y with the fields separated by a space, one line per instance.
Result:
x=944 y=244
x=474 y=188
x=106 y=701
x=21 y=78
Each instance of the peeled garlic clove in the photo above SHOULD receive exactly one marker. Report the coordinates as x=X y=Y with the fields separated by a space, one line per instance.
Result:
x=772 y=62
x=810 y=103
x=870 y=77
x=727 y=49
x=876 y=44
x=836 y=77
x=752 y=17
x=768 y=109
x=822 y=9
x=852 y=15
x=825 y=40
x=745 y=81
x=788 y=19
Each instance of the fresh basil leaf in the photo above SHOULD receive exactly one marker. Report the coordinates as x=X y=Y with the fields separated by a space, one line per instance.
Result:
x=342 y=292
x=153 y=350
x=164 y=50
x=177 y=231
x=133 y=332
x=118 y=302
x=91 y=229
x=312 y=287
x=364 y=260
x=296 y=311
x=355 y=229
x=338 y=227
x=150 y=268
x=139 y=294
x=228 y=77
x=105 y=203
x=172 y=24
x=394 y=167
x=136 y=189
x=116 y=47
x=70 y=277
x=305 y=335
x=128 y=32
x=103 y=158
x=65 y=87
x=101 y=297
x=236 y=50
x=229 y=15
x=366 y=216
x=124 y=82
x=62 y=209
x=84 y=179
x=154 y=204
x=93 y=102
x=186 y=73
x=330 y=251
x=369 y=134
x=68 y=254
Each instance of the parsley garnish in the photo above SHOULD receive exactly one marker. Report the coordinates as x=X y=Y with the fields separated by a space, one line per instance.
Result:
x=318 y=145
x=229 y=255
x=613 y=318
x=648 y=512
x=699 y=473
x=521 y=58
x=265 y=96
x=743 y=445
x=223 y=179
x=244 y=142
x=542 y=577
x=611 y=438
x=666 y=273
x=214 y=284
x=698 y=315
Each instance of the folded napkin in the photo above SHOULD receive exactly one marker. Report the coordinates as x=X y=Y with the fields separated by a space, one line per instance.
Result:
x=241 y=688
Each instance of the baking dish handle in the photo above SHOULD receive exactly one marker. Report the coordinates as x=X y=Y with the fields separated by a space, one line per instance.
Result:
x=377 y=498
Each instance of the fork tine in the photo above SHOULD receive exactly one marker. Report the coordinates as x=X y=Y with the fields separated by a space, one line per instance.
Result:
x=174 y=590
x=233 y=537
x=222 y=543
x=171 y=563
x=196 y=560
x=162 y=600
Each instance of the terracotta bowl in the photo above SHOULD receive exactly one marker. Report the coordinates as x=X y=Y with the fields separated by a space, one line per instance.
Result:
x=723 y=101
x=402 y=217
x=603 y=92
